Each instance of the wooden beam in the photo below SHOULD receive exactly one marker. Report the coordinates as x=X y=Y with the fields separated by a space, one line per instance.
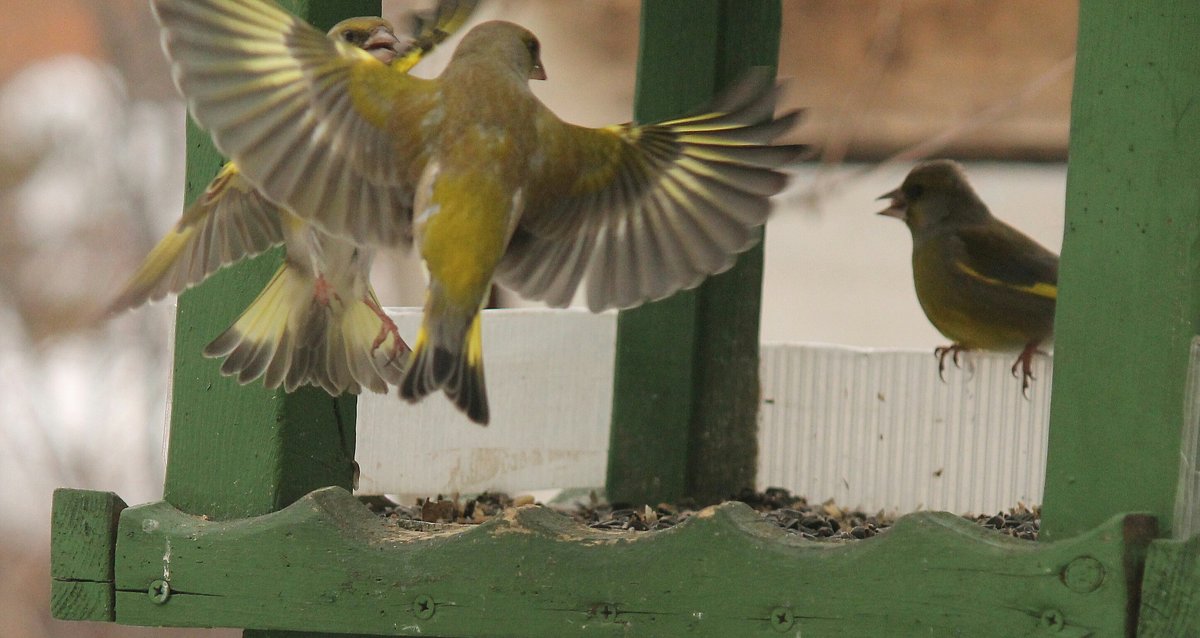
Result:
x=83 y=539
x=334 y=566
x=1130 y=281
x=686 y=386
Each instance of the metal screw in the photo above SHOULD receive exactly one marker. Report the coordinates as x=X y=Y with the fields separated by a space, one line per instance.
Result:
x=424 y=607
x=782 y=619
x=159 y=591
x=606 y=611
x=1083 y=575
x=1053 y=620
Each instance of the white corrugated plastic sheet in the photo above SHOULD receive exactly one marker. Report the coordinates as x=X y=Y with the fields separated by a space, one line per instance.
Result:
x=878 y=429
x=869 y=428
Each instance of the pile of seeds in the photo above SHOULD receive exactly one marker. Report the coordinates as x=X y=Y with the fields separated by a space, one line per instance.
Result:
x=792 y=513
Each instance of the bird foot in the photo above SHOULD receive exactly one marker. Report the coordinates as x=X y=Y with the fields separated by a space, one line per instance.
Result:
x=387 y=328
x=953 y=351
x=1025 y=362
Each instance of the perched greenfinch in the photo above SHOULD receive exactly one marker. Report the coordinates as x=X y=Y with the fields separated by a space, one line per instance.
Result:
x=318 y=321
x=475 y=171
x=982 y=283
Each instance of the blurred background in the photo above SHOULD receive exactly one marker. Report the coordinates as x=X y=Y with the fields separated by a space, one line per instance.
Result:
x=91 y=175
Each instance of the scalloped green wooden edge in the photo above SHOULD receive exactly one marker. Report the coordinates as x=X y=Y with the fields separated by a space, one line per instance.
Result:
x=327 y=564
x=83 y=532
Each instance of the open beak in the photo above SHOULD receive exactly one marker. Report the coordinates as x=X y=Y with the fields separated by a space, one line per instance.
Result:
x=898 y=207
x=538 y=72
x=382 y=44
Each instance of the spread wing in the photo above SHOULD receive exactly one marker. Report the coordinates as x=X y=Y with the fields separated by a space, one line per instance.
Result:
x=645 y=211
x=317 y=125
x=1001 y=256
x=228 y=222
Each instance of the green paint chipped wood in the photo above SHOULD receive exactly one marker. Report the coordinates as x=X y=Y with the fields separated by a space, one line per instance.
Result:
x=1130 y=282
x=686 y=390
x=83 y=537
x=327 y=564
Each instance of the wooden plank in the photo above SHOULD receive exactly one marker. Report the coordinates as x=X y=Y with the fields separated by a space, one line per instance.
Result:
x=238 y=450
x=333 y=566
x=1130 y=281
x=685 y=390
x=1171 y=590
x=83 y=539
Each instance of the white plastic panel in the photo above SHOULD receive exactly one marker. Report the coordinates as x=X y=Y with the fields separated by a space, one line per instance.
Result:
x=878 y=430
x=549 y=382
x=874 y=429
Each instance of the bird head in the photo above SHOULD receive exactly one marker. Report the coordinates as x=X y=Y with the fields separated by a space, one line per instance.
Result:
x=507 y=42
x=371 y=34
x=933 y=194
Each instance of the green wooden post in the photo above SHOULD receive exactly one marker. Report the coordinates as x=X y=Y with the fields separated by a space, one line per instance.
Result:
x=686 y=385
x=1130 y=282
x=239 y=451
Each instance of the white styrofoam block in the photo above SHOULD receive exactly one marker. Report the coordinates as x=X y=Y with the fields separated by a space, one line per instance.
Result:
x=874 y=429
x=549 y=383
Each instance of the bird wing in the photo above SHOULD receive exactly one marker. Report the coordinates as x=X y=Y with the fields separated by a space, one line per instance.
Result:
x=431 y=29
x=645 y=211
x=228 y=222
x=317 y=125
x=999 y=255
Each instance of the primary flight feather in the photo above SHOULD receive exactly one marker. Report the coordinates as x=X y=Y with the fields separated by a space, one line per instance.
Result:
x=476 y=171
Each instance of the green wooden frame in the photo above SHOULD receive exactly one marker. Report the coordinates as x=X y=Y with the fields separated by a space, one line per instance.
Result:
x=249 y=534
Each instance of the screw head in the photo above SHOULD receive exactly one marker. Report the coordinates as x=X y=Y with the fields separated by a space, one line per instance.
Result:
x=606 y=612
x=424 y=607
x=782 y=619
x=1053 y=620
x=1083 y=575
x=159 y=591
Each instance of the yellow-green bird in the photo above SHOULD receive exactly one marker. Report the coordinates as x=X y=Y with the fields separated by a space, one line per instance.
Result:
x=475 y=171
x=982 y=283
x=318 y=321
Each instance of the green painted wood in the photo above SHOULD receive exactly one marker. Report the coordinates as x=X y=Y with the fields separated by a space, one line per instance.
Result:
x=236 y=450
x=327 y=564
x=1171 y=590
x=83 y=539
x=685 y=392
x=1130 y=281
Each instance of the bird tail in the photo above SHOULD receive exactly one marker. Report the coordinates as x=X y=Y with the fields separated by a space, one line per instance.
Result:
x=296 y=333
x=450 y=360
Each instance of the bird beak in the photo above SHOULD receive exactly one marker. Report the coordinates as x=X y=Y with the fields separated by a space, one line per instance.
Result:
x=383 y=45
x=898 y=207
x=538 y=72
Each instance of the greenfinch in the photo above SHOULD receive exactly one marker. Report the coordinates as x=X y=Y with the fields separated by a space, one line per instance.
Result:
x=982 y=283
x=475 y=171
x=318 y=321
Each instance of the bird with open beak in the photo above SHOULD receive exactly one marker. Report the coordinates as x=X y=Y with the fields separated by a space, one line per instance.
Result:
x=982 y=283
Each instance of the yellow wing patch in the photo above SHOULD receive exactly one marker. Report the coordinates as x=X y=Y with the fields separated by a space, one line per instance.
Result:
x=1040 y=289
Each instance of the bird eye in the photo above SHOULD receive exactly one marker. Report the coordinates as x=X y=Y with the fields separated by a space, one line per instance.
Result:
x=350 y=36
x=534 y=48
x=913 y=191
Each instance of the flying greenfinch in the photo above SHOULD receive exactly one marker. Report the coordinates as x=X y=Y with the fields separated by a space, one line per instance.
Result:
x=982 y=283
x=475 y=171
x=318 y=322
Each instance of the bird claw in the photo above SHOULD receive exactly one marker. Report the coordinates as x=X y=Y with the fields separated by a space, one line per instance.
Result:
x=387 y=328
x=1025 y=362
x=953 y=350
